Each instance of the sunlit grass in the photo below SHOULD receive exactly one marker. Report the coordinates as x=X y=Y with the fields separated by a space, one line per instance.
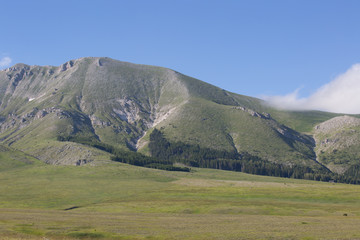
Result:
x=118 y=201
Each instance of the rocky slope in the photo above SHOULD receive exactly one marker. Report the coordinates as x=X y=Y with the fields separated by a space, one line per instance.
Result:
x=338 y=142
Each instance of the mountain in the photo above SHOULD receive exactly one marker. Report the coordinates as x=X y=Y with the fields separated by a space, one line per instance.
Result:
x=50 y=112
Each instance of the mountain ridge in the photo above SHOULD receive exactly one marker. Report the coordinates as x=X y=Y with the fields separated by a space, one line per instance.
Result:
x=120 y=104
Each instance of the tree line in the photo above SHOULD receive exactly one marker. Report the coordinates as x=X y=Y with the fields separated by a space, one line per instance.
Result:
x=196 y=156
x=128 y=157
x=164 y=154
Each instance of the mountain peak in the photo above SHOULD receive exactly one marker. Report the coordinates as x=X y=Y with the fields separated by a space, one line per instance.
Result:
x=18 y=67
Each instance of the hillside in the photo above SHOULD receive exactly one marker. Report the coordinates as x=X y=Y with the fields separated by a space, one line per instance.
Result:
x=338 y=143
x=50 y=112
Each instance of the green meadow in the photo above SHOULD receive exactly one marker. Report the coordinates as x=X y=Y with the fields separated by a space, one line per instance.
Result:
x=119 y=201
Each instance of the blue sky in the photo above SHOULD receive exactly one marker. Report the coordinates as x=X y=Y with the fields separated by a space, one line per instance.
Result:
x=254 y=47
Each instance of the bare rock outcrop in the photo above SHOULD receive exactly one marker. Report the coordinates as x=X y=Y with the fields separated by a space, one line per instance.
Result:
x=337 y=123
x=253 y=113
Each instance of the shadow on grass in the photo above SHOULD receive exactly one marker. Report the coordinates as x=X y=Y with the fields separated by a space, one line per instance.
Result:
x=86 y=235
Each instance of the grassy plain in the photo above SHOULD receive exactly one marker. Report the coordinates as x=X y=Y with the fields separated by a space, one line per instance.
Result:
x=118 y=201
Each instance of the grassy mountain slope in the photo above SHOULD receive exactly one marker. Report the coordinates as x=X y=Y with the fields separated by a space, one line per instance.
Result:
x=301 y=121
x=12 y=159
x=216 y=126
x=119 y=104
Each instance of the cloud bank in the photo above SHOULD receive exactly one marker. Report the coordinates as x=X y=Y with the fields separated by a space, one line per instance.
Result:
x=342 y=95
x=5 y=62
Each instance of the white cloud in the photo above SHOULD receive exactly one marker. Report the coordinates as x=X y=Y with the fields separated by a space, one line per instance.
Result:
x=342 y=95
x=5 y=62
